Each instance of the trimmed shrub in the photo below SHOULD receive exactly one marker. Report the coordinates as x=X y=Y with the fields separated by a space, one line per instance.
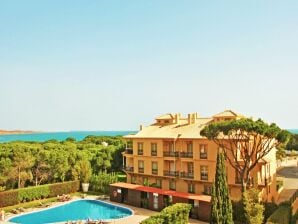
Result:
x=33 y=193
x=269 y=209
x=8 y=198
x=282 y=215
x=64 y=188
x=13 y=197
x=177 y=213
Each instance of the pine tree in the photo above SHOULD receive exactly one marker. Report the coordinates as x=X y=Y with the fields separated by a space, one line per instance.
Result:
x=221 y=208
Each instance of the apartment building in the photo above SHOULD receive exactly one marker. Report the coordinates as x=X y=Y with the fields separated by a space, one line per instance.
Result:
x=171 y=155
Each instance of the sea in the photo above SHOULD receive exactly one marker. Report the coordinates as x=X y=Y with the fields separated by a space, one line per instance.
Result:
x=60 y=136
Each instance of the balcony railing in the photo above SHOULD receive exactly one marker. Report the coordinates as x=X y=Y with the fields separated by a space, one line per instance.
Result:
x=155 y=171
x=171 y=173
x=153 y=153
x=203 y=155
x=171 y=154
x=140 y=152
x=188 y=175
x=128 y=168
x=186 y=154
x=204 y=176
x=128 y=151
x=141 y=170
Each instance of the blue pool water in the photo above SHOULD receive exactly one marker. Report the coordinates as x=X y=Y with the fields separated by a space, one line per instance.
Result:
x=76 y=210
x=60 y=136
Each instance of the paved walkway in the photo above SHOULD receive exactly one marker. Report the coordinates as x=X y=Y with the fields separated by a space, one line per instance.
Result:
x=288 y=172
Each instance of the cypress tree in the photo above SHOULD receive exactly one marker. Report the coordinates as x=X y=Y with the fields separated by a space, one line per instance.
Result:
x=221 y=207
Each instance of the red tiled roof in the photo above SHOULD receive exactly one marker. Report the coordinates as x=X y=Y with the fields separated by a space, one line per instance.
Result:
x=163 y=192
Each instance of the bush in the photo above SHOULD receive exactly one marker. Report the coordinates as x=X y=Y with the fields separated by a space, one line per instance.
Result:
x=14 y=197
x=101 y=182
x=282 y=215
x=177 y=213
x=64 y=188
x=33 y=193
x=269 y=209
x=8 y=198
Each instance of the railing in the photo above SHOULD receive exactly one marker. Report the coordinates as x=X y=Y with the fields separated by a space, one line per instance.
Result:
x=171 y=154
x=188 y=175
x=204 y=176
x=128 y=169
x=140 y=152
x=141 y=170
x=128 y=151
x=171 y=173
x=203 y=155
x=186 y=154
x=153 y=153
x=155 y=171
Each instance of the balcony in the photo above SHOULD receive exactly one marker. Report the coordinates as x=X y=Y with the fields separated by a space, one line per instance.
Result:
x=170 y=154
x=141 y=170
x=204 y=176
x=171 y=173
x=188 y=175
x=153 y=153
x=203 y=155
x=128 y=169
x=186 y=154
x=140 y=152
x=128 y=151
x=155 y=171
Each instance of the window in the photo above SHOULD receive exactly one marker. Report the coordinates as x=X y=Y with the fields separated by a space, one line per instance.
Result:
x=133 y=179
x=141 y=166
x=154 y=168
x=140 y=148
x=203 y=151
x=207 y=189
x=189 y=147
x=153 y=149
x=204 y=173
x=171 y=147
x=158 y=183
x=172 y=185
x=237 y=177
x=190 y=167
x=191 y=188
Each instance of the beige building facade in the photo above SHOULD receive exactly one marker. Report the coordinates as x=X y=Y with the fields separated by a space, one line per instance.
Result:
x=171 y=154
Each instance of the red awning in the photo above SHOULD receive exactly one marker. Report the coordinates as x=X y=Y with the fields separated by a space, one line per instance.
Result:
x=136 y=187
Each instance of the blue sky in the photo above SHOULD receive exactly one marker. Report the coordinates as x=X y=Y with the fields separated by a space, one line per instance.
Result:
x=112 y=65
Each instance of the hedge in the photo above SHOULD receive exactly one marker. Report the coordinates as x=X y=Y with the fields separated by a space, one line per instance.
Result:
x=13 y=197
x=64 y=188
x=177 y=213
x=282 y=215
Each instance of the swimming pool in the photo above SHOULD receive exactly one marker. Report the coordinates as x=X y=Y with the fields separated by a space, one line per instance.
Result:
x=76 y=210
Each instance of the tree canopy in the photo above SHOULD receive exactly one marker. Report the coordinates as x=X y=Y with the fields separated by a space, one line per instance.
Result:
x=33 y=163
x=245 y=142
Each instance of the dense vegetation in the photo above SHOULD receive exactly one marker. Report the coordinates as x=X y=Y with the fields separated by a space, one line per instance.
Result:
x=177 y=213
x=293 y=143
x=25 y=164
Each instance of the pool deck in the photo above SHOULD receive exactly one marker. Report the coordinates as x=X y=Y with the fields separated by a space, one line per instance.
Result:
x=139 y=213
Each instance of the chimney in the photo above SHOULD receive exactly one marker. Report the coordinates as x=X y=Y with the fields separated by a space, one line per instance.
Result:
x=141 y=127
x=189 y=118
x=177 y=118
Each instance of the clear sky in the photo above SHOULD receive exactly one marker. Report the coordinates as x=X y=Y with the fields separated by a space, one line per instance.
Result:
x=112 y=65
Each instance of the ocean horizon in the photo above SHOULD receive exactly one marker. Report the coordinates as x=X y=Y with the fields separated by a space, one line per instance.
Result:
x=62 y=135
x=59 y=136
